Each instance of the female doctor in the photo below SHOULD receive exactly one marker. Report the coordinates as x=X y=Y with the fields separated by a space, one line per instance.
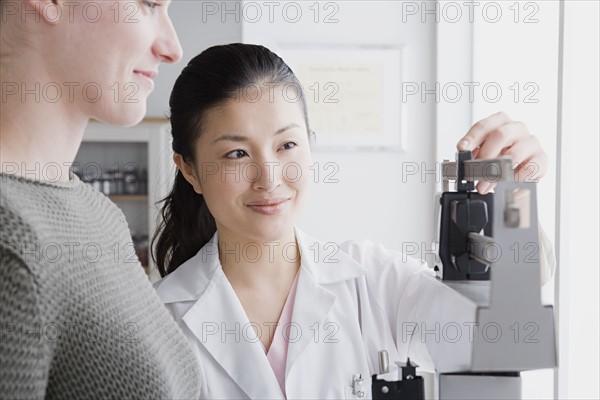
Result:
x=273 y=312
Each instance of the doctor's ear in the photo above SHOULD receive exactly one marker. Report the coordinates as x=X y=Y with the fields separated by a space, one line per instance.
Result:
x=188 y=172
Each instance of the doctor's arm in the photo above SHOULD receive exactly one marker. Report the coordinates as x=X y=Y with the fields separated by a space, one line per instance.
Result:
x=392 y=282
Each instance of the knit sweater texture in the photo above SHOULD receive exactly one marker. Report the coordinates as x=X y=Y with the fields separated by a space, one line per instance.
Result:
x=78 y=316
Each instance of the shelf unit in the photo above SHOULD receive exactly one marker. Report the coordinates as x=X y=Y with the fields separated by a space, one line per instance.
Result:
x=152 y=139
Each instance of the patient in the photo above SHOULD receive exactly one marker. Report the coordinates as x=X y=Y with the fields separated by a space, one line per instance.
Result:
x=78 y=317
x=271 y=311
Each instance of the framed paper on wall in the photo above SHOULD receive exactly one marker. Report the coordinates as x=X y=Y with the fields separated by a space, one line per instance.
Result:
x=353 y=95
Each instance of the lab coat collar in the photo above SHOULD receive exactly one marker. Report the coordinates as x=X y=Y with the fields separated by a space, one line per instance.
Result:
x=220 y=324
x=191 y=278
x=325 y=262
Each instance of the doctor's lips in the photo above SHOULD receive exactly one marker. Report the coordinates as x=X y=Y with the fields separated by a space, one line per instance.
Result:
x=268 y=206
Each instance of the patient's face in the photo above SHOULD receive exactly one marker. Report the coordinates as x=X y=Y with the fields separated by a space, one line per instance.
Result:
x=253 y=160
x=117 y=55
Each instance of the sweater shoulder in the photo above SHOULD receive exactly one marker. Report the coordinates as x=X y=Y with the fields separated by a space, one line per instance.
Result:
x=36 y=218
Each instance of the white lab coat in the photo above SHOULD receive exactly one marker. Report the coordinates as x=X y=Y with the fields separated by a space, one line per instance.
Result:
x=339 y=289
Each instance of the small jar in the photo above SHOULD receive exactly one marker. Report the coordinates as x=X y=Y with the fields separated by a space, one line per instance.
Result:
x=97 y=184
x=131 y=183
x=106 y=189
x=114 y=177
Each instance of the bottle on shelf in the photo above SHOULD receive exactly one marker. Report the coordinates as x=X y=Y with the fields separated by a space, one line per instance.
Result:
x=116 y=180
x=131 y=183
x=106 y=184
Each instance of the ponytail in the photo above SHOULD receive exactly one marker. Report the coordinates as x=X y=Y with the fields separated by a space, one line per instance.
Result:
x=186 y=225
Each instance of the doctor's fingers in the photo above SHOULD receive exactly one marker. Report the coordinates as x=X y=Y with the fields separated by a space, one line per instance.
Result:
x=484 y=187
x=529 y=160
x=481 y=129
x=498 y=141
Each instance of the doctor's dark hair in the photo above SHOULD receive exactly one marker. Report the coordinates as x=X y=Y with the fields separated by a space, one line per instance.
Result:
x=215 y=76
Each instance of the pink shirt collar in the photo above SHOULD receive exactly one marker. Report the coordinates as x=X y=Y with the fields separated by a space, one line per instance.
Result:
x=277 y=354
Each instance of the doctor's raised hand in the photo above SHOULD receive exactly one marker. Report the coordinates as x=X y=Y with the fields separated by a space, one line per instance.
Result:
x=498 y=135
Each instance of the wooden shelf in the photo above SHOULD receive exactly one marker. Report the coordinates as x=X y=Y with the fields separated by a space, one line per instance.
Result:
x=160 y=120
x=128 y=197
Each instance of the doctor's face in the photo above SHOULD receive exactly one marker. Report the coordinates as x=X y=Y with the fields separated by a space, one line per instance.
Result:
x=252 y=164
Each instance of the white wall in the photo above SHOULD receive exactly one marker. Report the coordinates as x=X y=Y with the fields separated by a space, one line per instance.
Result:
x=578 y=258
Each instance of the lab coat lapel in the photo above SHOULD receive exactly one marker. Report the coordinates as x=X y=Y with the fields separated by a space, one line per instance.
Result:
x=312 y=304
x=216 y=307
x=322 y=264
x=220 y=324
x=218 y=321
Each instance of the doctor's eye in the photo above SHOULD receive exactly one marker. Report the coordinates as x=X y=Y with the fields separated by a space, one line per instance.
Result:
x=236 y=154
x=289 y=145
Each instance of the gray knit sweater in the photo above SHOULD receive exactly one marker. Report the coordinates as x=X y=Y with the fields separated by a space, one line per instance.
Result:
x=78 y=316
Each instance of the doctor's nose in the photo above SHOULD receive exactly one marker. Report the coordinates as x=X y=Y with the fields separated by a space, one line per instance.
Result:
x=268 y=177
